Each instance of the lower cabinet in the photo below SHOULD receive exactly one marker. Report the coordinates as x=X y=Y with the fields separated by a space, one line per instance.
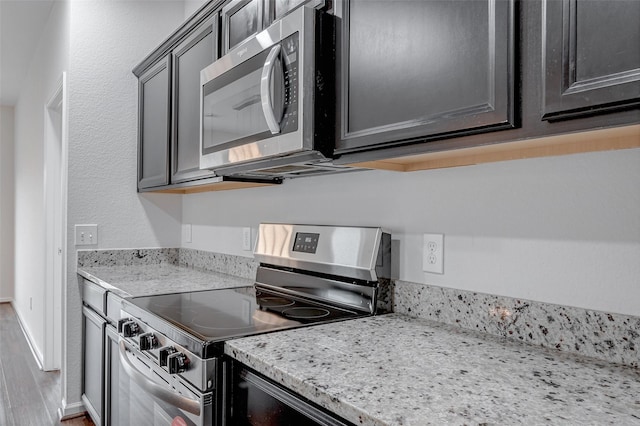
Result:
x=100 y=359
x=93 y=326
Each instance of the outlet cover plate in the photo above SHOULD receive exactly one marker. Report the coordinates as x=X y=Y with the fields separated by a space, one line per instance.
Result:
x=186 y=232
x=433 y=253
x=86 y=235
x=246 y=239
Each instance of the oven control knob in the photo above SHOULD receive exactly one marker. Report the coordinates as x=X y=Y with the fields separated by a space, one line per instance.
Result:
x=130 y=329
x=178 y=363
x=148 y=341
x=164 y=354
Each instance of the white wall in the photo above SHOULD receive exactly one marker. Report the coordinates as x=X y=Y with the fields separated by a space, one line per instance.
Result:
x=563 y=230
x=109 y=38
x=47 y=65
x=6 y=203
x=190 y=7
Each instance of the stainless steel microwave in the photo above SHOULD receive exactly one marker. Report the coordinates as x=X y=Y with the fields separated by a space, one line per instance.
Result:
x=267 y=107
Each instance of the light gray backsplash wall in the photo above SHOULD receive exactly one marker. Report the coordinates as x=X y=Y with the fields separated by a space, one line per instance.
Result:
x=606 y=336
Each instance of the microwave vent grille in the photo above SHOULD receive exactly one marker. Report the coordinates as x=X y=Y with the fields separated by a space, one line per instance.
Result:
x=285 y=170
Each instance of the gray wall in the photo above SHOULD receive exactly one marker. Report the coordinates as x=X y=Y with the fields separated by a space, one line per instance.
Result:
x=41 y=81
x=108 y=38
x=6 y=203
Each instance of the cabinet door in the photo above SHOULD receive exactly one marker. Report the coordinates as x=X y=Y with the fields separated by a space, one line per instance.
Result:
x=189 y=58
x=415 y=70
x=276 y=9
x=93 y=363
x=154 y=91
x=591 y=56
x=240 y=20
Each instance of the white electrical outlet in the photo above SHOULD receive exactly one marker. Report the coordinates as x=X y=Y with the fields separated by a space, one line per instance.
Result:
x=86 y=235
x=433 y=253
x=186 y=232
x=246 y=239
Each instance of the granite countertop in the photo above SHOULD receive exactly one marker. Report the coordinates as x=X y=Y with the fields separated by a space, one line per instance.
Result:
x=396 y=370
x=142 y=280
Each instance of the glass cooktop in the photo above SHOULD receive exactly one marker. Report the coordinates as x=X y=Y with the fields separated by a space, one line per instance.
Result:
x=215 y=315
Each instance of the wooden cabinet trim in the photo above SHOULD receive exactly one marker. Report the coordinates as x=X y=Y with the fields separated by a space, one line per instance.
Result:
x=625 y=137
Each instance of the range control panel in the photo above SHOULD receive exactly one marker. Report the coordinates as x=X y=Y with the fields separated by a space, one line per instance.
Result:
x=306 y=242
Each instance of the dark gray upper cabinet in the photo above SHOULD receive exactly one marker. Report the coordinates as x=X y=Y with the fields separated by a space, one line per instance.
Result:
x=154 y=93
x=195 y=53
x=418 y=70
x=240 y=20
x=592 y=56
x=276 y=9
x=169 y=103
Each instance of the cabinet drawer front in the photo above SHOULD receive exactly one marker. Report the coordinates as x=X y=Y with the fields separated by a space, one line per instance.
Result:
x=94 y=296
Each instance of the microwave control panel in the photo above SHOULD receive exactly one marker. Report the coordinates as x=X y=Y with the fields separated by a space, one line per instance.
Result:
x=289 y=121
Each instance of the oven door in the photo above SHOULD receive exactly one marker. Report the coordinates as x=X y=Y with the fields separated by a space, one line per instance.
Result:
x=149 y=396
x=252 y=98
x=256 y=401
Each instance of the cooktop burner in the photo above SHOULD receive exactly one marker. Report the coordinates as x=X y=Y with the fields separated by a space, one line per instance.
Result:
x=305 y=312
x=275 y=302
x=217 y=315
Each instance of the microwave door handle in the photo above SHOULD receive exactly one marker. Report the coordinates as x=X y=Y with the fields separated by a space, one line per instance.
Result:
x=190 y=405
x=265 y=90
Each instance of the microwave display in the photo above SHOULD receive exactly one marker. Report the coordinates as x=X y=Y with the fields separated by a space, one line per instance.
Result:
x=232 y=104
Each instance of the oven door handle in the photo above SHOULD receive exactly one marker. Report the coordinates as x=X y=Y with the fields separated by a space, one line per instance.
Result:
x=265 y=90
x=167 y=395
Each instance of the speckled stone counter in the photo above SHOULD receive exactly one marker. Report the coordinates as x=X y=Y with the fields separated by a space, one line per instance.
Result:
x=397 y=370
x=140 y=272
x=139 y=280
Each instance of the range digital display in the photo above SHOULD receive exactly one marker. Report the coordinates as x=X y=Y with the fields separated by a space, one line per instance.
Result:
x=306 y=242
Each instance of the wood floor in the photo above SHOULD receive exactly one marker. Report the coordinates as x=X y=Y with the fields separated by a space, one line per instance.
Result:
x=28 y=396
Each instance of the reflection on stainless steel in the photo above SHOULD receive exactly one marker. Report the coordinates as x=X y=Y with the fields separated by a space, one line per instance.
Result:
x=163 y=393
x=345 y=294
x=247 y=102
x=244 y=152
x=270 y=319
x=272 y=112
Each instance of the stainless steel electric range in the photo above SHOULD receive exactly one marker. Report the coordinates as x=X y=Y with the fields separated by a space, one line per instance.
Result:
x=173 y=369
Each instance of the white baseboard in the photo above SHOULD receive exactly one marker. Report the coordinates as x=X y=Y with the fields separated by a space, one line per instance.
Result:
x=6 y=299
x=70 y=411
x=25 y=330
